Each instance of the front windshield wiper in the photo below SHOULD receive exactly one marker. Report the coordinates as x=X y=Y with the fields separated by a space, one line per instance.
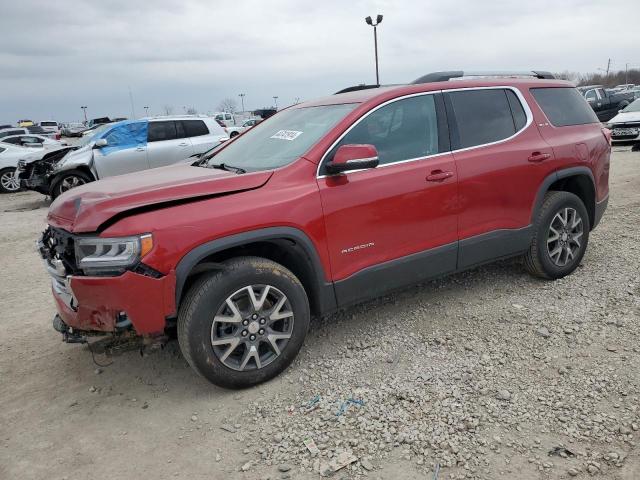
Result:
x=228 y=168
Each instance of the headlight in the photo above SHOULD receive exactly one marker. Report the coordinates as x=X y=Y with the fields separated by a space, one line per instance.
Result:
x=95 y=255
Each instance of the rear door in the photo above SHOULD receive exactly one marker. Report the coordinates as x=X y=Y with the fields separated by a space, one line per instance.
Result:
x=395 y=224
x=501 y=161
x=167 y=143
x=199 y=135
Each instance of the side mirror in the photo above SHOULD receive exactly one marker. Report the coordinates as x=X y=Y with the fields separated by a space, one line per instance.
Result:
x=102 y=142
x=353 y=157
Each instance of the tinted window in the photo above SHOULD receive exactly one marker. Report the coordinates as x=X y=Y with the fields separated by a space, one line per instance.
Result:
x=482 y=116
x=2 y=149
x=180 y=132
x=564 y=106
x=519 y=117
x=14 y=140
x=195 y=128
x=591 y=95
x=11 y=132
x=159 y=131
x=402 y=130
x=48 y=124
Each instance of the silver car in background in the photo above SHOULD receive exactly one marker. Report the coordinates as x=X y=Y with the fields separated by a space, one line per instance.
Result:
x=119 y=148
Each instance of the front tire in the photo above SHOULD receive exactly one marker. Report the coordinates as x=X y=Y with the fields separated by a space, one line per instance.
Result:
x=244 y=324
x=561 y=235
x=8 y=182
x=68 y=180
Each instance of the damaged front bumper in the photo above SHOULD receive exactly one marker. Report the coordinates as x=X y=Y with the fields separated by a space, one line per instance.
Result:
x=35 y=175
x=133 y=300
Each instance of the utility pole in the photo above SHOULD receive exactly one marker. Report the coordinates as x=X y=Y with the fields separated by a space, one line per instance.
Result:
x=375 y=41
x=275 y=101
x=133 y=110
x=242 y=95
x=608 y=66
x=84 y=110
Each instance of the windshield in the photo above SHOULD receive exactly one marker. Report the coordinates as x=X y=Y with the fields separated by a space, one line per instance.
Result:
x=90 y=138
x=281 y=139
x=632 y=107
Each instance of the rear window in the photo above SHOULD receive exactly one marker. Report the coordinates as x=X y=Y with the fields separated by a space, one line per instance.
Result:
x=48 y=124
x=195 y=128
x=482 y=117
x=564 y=106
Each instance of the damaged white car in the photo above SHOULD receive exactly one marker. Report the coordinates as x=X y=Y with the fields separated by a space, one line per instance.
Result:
x=119 y=148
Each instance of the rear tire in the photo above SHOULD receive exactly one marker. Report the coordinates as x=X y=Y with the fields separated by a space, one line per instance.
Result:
x=68 y=180
x=561 y=235
x=237 y=339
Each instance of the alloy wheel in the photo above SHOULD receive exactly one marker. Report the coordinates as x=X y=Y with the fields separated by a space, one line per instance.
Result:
x=9 y=182
x=70 y=182
x=252 y=327
x=564 y=237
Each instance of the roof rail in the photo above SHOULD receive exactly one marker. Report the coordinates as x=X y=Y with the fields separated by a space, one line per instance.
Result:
x=458 y=74
x=355 y=88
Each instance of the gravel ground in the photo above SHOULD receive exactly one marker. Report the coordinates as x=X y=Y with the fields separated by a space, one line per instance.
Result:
x=483 y=375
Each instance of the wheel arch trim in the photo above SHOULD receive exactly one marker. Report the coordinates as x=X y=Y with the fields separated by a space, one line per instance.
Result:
x=323 y=289
x=559 y=175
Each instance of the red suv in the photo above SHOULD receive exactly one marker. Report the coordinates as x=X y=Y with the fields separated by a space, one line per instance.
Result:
x=325 y=204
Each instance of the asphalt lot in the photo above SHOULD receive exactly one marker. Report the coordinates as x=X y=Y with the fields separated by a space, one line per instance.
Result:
x=489 y=373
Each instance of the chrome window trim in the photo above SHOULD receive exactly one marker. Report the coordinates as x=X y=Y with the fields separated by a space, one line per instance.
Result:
x=521 y=99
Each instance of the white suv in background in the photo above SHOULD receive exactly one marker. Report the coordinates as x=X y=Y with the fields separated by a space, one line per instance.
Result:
x=122 y=147
x=50 y=126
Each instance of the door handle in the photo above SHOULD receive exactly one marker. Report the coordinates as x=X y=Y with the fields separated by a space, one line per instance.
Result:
x=539 y=157
x=438 y=176
x=183 y=144
x=140 y=149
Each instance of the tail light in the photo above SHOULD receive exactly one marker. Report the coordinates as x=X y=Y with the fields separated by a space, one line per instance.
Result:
x=607 y=135
x=58 y=136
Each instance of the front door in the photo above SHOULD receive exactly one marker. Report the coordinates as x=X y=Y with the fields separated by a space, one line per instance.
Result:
x=395 y=224
x=125 y=152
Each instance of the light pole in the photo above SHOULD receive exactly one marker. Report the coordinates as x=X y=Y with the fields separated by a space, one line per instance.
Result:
x=375 y=40
x=84 y=110
x=242 y=95
x=146 y=111
x=275 y=101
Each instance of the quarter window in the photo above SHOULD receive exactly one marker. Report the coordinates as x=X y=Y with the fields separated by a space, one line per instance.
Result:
x=564 y=106
x=159 y=131
x=402 y=130
x=482 y=117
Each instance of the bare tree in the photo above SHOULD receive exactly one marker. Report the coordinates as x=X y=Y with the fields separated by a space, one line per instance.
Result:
x=192 y=111
x=228 y=105
x=168 y=109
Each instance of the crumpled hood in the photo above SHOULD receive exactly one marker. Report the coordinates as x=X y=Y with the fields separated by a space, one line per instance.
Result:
x=86 y=208
x=626 y=117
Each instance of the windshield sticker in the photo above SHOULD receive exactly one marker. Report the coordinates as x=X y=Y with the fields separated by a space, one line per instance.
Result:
x=286 y=135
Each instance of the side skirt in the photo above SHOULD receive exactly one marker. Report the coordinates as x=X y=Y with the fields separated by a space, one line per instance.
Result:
x=378 y=280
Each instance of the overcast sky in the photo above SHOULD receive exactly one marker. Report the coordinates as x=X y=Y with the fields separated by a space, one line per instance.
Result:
x=58 y=55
